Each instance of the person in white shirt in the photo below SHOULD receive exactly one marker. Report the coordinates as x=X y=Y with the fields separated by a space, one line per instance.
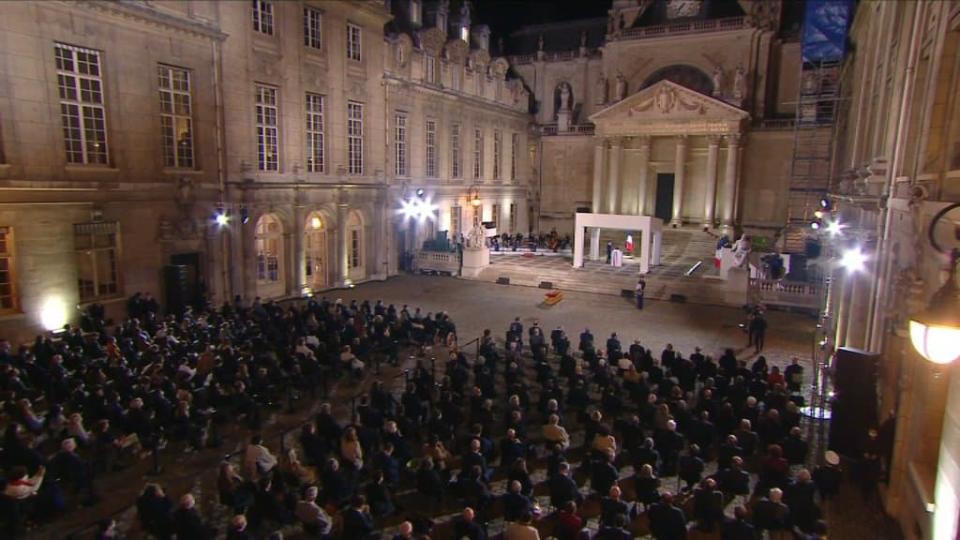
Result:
x=20 y=487
x=258 y=460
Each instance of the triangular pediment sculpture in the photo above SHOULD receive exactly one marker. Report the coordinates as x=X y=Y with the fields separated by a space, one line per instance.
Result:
x=667 y=108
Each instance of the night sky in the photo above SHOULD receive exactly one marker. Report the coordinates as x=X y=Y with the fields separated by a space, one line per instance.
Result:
x=505 y=16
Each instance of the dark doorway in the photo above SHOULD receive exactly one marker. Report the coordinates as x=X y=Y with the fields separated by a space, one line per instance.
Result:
x=192 y=281
x=664 y=208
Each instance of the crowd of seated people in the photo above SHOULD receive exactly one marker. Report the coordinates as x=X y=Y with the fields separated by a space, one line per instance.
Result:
x=551 y=241
x=518 y=409
x=94 y=399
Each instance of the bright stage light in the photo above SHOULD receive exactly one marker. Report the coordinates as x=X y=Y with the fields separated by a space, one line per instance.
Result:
x=222 y=219
x=853 y=260
x=53 y=313
x=421 y=210
x=834 y=228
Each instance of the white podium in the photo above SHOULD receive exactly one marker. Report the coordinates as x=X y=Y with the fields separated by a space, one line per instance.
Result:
x=474 y=261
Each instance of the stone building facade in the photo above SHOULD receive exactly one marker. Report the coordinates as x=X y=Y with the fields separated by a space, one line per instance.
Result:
x=899 y=165
x=253 y=145
x=712 y=146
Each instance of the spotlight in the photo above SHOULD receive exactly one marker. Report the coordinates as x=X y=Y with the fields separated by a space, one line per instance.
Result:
x=825 y=204
x=244 y=215
x=221 y=217
x=834 y=228
x=853 y=260
x=815 y=225
x=818 y=214
x=420 y=192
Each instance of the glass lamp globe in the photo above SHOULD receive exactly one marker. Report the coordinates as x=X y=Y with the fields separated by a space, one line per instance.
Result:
x=935 y=331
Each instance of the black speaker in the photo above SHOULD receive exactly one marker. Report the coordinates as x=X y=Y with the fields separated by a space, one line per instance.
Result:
x=627 y=293
x=546 y=285
x=678 y=298
x=583 y=210
x=854 y=405
x=503 y=281
x=177 y=289
x=811 y=249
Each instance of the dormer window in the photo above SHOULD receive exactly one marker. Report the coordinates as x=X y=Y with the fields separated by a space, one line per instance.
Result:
x=442 y=22
x=415 y=12
x=465 y=33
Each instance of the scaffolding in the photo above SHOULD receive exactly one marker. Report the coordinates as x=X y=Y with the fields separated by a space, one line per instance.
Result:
x=812 y=164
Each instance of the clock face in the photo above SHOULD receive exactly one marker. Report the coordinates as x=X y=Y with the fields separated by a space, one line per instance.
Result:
x=683 y=8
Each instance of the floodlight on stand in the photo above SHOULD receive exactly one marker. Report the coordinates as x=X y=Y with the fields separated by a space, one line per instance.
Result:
x=420 y=192
x=935 y=331
x=825 y=204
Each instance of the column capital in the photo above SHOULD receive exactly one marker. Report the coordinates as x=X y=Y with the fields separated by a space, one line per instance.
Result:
x=734 y=139
x=616 y=141
x=713 y=140
x=645 y=141
x=681 y=140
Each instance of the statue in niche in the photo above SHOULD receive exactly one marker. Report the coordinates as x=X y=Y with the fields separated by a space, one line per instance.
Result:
x=739 y=83
x=601 y=90
x=717 y=81
x=476 y=238
x=564 y=97
x=583 y=40
x=621 y=88
x=185 y=190
x=540 y=43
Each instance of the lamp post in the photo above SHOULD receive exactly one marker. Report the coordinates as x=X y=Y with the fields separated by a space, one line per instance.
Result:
x=935 y=331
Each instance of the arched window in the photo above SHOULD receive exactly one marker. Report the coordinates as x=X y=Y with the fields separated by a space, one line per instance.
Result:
x=269 y=246
x=315 y=251
x=683 y=75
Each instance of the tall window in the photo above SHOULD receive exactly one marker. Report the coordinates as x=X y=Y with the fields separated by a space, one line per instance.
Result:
x=268 y=158
x=415 y=11
x=81 y=104
x=268 y=237
x=430 y=142
x=430 y=68
x=513 y=218
x=495 y=217
x=477 y=154
x=315 y=156
x=497 y=153
x=514 y=153
x=400 y=144
x=456 y=226
x=96 y=255
x=353 y=42
x=312 y=28
x=263 y=16
x=355 y=137
x=456 y=158
x=354 y=248
x=176 y=116
x=8 y=293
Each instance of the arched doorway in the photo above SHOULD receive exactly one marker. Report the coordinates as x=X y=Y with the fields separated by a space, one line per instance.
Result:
x=269 y=249
x=355 y=246
x=315 y=251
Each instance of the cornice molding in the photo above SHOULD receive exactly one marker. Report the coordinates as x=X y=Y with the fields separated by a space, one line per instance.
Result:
x=143 y=13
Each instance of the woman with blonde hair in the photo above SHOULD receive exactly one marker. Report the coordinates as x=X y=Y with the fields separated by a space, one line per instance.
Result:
x=350 y=449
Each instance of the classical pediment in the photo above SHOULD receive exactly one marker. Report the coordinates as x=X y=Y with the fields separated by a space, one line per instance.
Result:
x=667 y=108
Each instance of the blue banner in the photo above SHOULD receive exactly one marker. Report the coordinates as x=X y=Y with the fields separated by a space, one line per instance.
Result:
x=825 y=25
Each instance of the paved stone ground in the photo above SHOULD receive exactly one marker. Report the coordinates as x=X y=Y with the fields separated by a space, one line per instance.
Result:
x=475 y=306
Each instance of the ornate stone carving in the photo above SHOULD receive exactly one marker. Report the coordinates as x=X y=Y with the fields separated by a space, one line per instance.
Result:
x=739 y=84
x=762 y=14
x=476 y=238
x=565 y=104
x=717 y=81
x=666 y=99
x=457 y=51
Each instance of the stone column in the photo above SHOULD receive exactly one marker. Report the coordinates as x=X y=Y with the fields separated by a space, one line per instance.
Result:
x=679 y=175
x=299 y=254
x=599 y=164
x=713 y=150
x=613 y=178
x=644 y=171
x=594 y=243
x=730 y=179
x=343 y=243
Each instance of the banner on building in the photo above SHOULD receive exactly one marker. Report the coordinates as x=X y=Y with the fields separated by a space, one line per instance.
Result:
x=825 y=25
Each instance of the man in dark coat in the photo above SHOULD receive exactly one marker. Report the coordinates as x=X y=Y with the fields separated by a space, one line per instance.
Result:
x=187 y=521
x=357 y=521
x=667 y=522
